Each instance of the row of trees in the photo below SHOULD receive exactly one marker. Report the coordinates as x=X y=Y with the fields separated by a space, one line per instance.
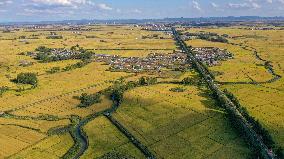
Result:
x=237 y=118
x=214 y=37
x=116 y=92
x=76 y=65
x=54 y=70
x=257 y=127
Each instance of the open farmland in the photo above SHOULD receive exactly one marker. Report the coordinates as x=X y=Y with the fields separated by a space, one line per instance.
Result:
x=253 y=49
x=36 y=117
x=51 y=147
x=101 y=132
x=180 y=125
x=77 y=107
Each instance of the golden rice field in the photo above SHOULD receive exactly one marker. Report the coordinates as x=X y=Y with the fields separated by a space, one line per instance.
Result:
x=50 y=147
x=180 y=125
x=263 y=101
x=172 y=125
x=61 y=83
x=105 y=138
x=53 y=96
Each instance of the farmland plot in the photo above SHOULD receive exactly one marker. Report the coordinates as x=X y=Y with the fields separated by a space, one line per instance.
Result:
x=252 y=49
x=105 y=138
x=179 y=125
x=50 y=148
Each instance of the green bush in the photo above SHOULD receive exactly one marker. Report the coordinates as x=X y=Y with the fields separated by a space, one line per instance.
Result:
x=177 y=89
x=43 y=49
x=188 y=81
x=76 y=65
x=89 y=99
x=85 y=55
x=3 y=89
x=27 y=78
x=147 y=81
x=53 y=70
x=55 y=37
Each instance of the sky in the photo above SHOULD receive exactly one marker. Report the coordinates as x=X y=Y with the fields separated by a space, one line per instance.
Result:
x=53 y=10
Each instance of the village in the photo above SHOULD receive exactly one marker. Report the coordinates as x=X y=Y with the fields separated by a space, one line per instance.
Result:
x=45 y=54
x=154 y=62
x=211 y=55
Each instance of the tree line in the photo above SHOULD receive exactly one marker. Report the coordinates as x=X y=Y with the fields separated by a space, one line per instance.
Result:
x=238 y=120
x=257 y=127
x=209 y=37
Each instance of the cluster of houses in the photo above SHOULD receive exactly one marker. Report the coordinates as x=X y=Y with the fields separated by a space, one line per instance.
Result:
x=154 y=62
x=65 y=53
x=54 y=55
x=263 y=28
x=156 y=27
x=212 y=55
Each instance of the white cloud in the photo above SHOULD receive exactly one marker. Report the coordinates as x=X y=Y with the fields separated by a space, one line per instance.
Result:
x=136 y=11
x=269 y=1
x=250 y=4
x=62 y=2
x=38 y=11
x=238 y=5
x=104 y=6
x=196 y=5
x=255 y=6
x=61 y=7
x=6 y=2
x=214 y=5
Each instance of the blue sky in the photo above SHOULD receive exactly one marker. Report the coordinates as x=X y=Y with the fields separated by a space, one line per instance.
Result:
x=41 y=10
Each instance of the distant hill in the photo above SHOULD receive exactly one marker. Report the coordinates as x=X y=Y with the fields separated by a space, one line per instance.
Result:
x=165 y=20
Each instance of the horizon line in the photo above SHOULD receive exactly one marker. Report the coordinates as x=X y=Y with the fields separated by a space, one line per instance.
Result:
x=125 y=19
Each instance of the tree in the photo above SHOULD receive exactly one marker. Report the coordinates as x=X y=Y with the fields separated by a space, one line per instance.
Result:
x=43 y=49
x=3 y=89
x=88 y=100
x=151 y=80
x=27 y=78
x=86 y=55
x=188 y=81
x=177 y=89
x=142 y=81
x=53 y=70
x=117 y=94
x=44 y=57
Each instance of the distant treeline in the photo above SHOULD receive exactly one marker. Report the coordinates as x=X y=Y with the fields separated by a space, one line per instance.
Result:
x=209 y=37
